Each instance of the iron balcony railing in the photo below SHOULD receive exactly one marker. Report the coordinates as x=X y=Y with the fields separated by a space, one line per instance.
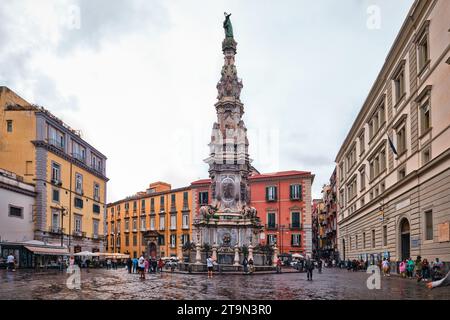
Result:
x=295 y=226
x=271 y=226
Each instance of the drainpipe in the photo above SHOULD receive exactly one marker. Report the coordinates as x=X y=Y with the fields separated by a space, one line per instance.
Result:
x=70 y=207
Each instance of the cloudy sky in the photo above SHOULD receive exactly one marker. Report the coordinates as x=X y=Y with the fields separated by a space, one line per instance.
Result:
x=138 y=77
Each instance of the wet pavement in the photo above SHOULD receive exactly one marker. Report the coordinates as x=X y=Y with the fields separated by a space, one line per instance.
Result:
x=118 y=284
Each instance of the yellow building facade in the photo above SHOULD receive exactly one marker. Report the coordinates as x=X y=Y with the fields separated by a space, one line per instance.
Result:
x=68 y=173
x=161 y=210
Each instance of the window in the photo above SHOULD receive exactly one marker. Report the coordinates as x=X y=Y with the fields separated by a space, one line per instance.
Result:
x=134 y=240
x=295 y=240
x=96 y=163
x=373 y=238
x=77 y=223
x=173 y=240
x=425 y=119
x=143 y=205
x=118 y=208
x=384 y=235
x=78 y=203
x=55 y=195
x=401 y=173
x=134 y=224
x=399 y=83
x=351 y=158
x=55 y=137
x=362 y=180
x=203 y=197
x=118 y=226
x=152 y=223
x=172 y=201
x=134 y=206
x=96 y=208
x=423 y=49
x=15 y=211
x=78 y=151
x=362 y=143
x=351 y=189
x=56 y=172
x=185 y=221
x=78 y=183
x=162 y=223
x=295 y=192
x=161 y=240
x=356 y=242
x=429 y=225
x=152 y=205
x=185 y=200
x=143 y=223
x=127 y=225
x=9 y=125
x=401 y=140
x=112 y=241
x=271 y=193
x=382 y=160
x=95 y=228
x=173 y=222
x=184 y=238
x=96 y=192
x=426 y=156
x=127 y=240
x=55 y=220
x=271 y=224
x=161 y=204
x=272 y=239
x=364 y=240
x=295 y=220
x=127 y=206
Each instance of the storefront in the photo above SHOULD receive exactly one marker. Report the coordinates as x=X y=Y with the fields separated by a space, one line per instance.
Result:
x=33 y=254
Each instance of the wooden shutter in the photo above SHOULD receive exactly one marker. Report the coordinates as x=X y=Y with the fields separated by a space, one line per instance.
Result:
x=276 y=193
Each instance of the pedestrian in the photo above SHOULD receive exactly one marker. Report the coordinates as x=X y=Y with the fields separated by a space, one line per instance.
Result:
x=402 y=268
x=309 y=268
x=135 y=265
x=333 y=263
x=86 y=262
x=141 y=267
x=210 y=266
x=251 y=266
x=436 y=270
x=108 y=264
x=160 y=265
x=319 y=266
x=385 y=267
x=245 y=264
x=418 y=266
x=146 y=265
x=410 y=268
x=10 y=261
x=154 y=264
x=440 y=283
x=279 y=264
x=425 y=270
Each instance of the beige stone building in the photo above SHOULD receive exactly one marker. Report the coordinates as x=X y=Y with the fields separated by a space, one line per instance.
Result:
x=393 y=169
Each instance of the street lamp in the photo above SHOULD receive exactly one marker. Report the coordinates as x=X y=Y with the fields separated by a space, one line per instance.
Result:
x=63 y=213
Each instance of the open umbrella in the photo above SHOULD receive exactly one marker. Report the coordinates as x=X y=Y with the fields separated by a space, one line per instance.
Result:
x=84 y=254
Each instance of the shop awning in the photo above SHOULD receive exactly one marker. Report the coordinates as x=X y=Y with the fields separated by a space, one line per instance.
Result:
x=49 y=251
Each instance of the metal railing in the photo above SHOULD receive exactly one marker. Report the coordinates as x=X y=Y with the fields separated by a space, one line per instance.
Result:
x=271 y=226
x=295 y=226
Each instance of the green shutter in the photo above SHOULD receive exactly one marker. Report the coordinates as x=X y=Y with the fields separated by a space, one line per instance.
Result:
x=276 y=193
x=291 y=191
x=300 y=197
x=267 y=193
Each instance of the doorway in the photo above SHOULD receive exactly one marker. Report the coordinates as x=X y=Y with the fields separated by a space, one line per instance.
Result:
x=405 y=243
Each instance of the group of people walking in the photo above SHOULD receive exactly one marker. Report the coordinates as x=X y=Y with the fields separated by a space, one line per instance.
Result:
x=422 y=270
x=144 y=265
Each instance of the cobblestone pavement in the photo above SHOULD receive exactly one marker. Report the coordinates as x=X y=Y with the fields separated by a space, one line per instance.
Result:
x=118 y=284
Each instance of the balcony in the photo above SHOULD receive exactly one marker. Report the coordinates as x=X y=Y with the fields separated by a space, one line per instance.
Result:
x=127 y=230
x=56 y=143
x=97 y=198
x=271 y=226
x=79 y=157
x=173 y=228
x=56 y=182
x=295 y=226
x=143 y=229
x=79 y=234
x=185 y=227
x=56 y=230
